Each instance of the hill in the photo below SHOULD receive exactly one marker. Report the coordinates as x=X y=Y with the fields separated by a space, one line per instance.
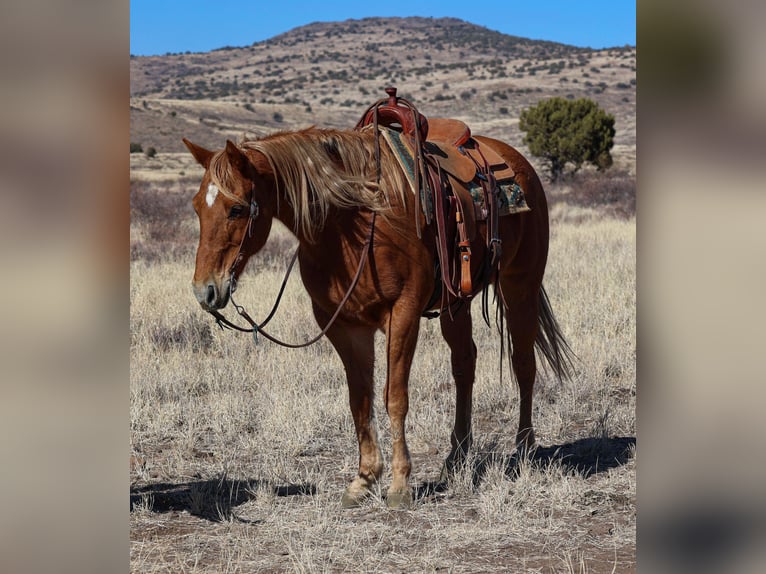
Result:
x=327 y=73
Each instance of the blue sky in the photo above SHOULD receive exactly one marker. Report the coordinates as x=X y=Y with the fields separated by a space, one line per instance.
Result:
x=159 y=26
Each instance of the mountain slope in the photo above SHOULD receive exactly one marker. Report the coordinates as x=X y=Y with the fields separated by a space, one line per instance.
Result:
x=328 y=73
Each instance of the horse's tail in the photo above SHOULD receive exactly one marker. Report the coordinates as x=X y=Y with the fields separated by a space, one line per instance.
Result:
x=550 y=341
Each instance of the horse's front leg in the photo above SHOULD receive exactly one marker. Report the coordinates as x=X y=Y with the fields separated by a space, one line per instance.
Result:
x=401 y=339
x=355 y=346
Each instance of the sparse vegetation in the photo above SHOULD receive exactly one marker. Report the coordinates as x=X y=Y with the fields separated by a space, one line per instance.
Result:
x=612 y=193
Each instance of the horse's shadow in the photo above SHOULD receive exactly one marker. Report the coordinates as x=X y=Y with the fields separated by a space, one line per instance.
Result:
x=216 y=499
x=212 y=499
x=586 y=456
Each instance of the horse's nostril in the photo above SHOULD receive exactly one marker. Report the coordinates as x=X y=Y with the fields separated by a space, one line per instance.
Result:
x=211 y=294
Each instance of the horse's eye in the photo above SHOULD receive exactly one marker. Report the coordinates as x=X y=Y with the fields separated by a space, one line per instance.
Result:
x=236 y=211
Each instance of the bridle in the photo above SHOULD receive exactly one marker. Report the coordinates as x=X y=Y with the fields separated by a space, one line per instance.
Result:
x=256 y=328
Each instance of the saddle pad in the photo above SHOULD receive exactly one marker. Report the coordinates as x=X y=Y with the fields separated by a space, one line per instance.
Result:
x=402 y=151
x=511 y=198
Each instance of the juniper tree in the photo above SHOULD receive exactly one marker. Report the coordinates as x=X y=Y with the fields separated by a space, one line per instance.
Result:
x=565 y=132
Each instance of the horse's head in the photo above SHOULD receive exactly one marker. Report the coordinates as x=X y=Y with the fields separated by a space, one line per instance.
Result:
x=235 y=210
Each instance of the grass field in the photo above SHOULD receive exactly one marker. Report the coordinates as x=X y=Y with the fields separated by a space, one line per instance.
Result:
x=240 y=452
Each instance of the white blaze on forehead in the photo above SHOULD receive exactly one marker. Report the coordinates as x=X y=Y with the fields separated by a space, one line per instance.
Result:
x=212 y=192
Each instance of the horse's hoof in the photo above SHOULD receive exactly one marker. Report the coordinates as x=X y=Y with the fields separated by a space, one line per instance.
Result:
x=444 y=475
x=450 y=468
x=354 y=499
x=400 y=500
x=526 y=443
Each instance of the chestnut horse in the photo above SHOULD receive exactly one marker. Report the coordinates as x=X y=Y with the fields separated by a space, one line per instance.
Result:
x=343 y=207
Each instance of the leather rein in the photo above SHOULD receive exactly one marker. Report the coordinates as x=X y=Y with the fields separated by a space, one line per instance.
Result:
x=256 y=328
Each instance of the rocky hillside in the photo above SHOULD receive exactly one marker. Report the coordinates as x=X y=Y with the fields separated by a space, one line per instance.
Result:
x=327 y=74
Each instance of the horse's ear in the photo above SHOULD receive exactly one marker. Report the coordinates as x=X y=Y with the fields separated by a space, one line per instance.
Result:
x=236 y=157
x=201 y=154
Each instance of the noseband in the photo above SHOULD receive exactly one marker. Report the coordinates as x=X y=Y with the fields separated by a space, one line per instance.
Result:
x=255 y=327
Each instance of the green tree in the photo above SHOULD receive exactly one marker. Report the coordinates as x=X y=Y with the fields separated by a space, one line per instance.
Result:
x=568 y=132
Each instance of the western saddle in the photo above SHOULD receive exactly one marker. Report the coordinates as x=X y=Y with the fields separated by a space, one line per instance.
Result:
x=446 y=160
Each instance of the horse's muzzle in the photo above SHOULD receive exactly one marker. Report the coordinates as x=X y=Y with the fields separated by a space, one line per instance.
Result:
x=210 y=296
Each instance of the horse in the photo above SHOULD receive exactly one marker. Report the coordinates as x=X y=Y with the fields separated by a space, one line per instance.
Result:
x=347 y=201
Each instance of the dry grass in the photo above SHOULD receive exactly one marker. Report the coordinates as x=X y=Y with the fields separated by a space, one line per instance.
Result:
x=241 y=451
x=609 y=193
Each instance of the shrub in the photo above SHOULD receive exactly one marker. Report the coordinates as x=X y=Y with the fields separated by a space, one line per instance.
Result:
x=151 y=152
x=614 y=193
x=159 y=211
x=562 y=132
x=136 y=147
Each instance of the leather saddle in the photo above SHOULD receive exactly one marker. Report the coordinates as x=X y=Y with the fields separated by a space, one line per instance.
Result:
x=450 y=142
x=447 y=159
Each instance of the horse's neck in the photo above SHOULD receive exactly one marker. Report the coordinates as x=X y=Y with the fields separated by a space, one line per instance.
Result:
x=341 y=228
x=286 y=214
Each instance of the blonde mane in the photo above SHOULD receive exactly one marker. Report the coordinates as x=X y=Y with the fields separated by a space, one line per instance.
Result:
x=317 y=170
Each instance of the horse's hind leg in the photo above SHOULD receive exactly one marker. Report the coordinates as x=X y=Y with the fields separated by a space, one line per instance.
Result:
x=457 y=331
x=355 y=345
x=522 y=303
